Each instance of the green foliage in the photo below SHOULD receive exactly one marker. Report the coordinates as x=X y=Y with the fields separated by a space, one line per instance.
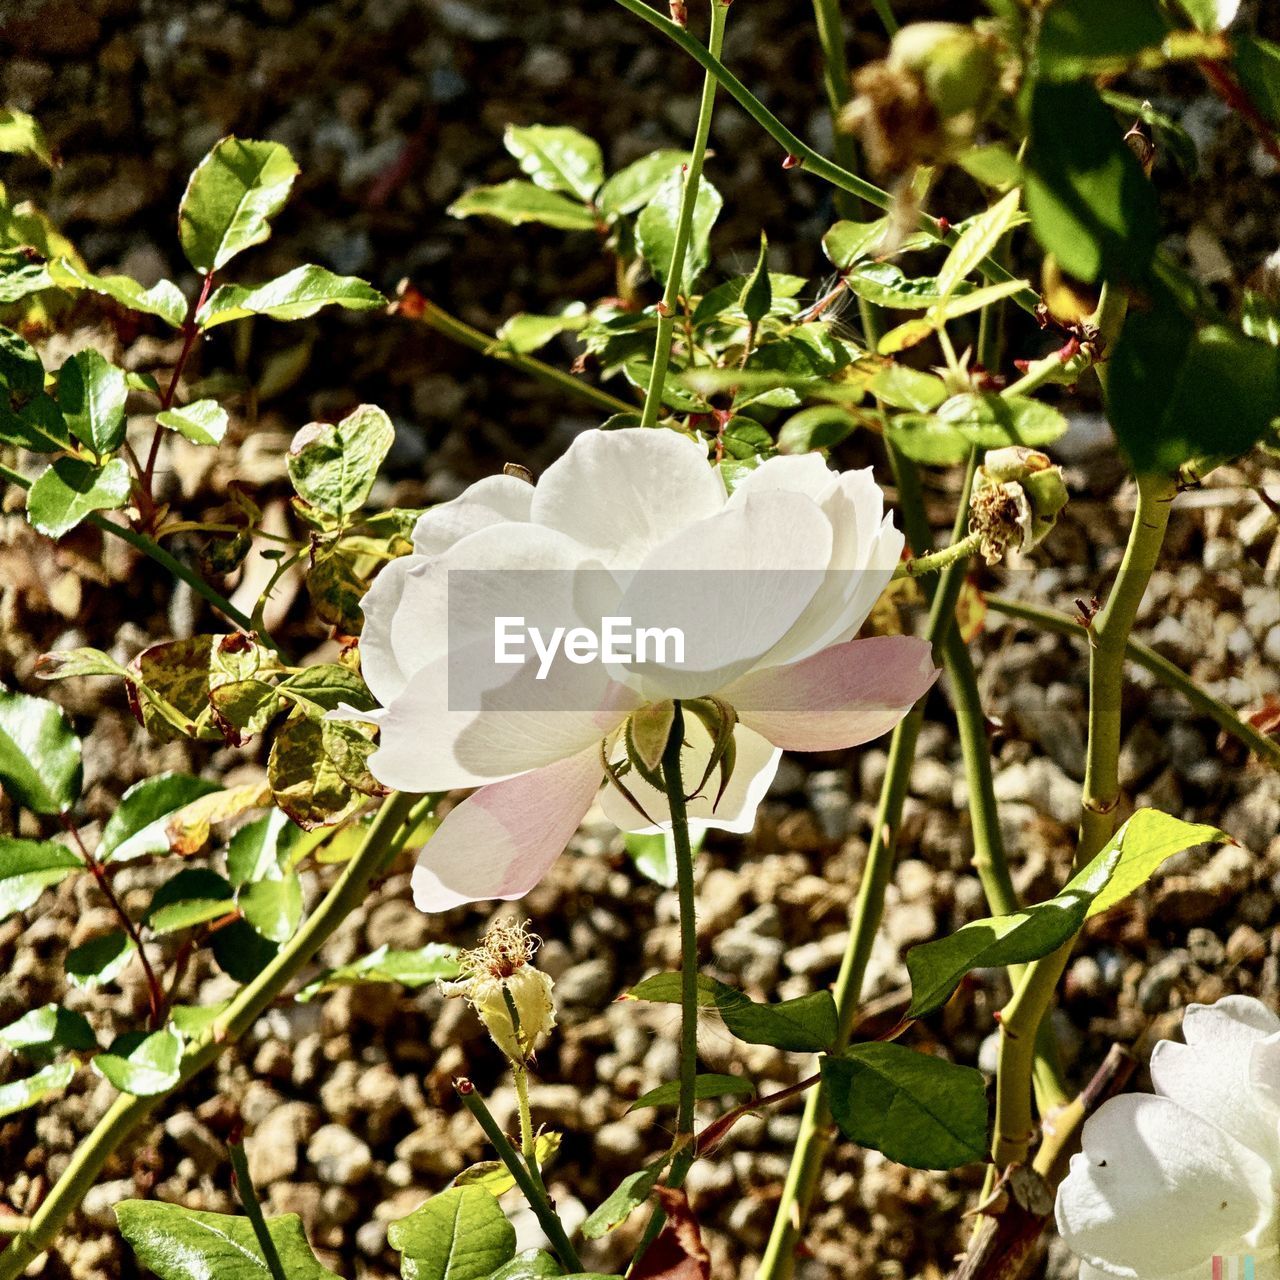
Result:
x=806 y=1024
x=204 y=422
x=461 y=1234
x=231 y=198
x=656 y=229
x=1094 y=37
x=557 y=158
x=100 y=960
x=917 y=1109
x=630 y=189
x=433 y=962
x=293 y=296
x=623 y=1200
x=92 y=394
x=31 y=1090
x=163 y=299
x=189 y=1244
x=69 y=489
x=515 y=202
x=1128 y=860
x=28 y=868
x=705 y=1086
x=42 y=1032
x=140 y=1064
x=39 y=754
x=334 y=467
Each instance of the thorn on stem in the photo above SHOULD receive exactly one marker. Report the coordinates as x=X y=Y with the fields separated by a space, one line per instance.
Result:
x=792 y=161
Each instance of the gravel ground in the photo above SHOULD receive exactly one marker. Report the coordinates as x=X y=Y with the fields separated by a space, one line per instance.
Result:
x=392 y=107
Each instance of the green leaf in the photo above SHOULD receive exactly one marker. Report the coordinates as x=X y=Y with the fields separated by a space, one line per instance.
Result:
x=42 y=1032
x=496 y=1178
x=260 y=849
x=744 y=438
x=39 y=754
x=1091 y=206
x=194 y=896
x=21 y=370
x=20 y=277
x=1177 y=393
x=92 y=394
x=884 y=285
x=38 y=425
x=626 y=1197
x=461 y=1234
x=415 y=968
x=63 y=664
x=756 y=299
x=1127 y=861
x=632 y=188
x=140 y=1064
x=242 y=952
x=304 y=781
x=1095 y=37
x=163 y=299
x=529 y=1264
x=28 y=868
x=905 y=388
x=975 y=300
x=170 y=681
x=137 y=825
x=18 y=1095
x=194 y=1020
x=656 y=229
x=557 y=158
x=977 y=240
x=1258 y=66
x=293 y=296
x=917 y=1109
x=806 y=1024
x=21 y=135
x=203 y=422
x=515 y=202
x=189 y=1244
x=68 y=490
x=654 y=856
x=334 y=467
x=1260 y=316
x=707 y=1085
x=993 y=165
x=525 y=333
x=849 y=242
x=922 y=438
x=822 y=426
x=96 y=962
x=273 y=908
x=233 y=194
x=992 y=421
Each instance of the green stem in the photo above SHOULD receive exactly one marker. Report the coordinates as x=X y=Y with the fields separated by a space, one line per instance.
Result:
x=464 y=335
x=886 y=15
x=933 y=561
x=688 y=950
x=128 y=1112
x=253 y=1210
x=814 y=162
x=1021 y=1018
x=547 y=1217
x=1225 y=717
x=157 y=553
x=667 y=312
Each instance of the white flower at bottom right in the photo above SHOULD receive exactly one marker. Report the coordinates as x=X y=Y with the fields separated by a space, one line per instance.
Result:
x=1168 y=1181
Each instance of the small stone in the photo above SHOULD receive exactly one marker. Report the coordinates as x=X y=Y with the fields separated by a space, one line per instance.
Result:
x=1157 y=984
x=272 y=1148
x=196 y=1140
x=339 y=1157
x=618 y=1142
x=100 y=1201
x=720 y=900
x=1084 y=979
x=589 y=984
x=1245 y=943
x=1204 y=948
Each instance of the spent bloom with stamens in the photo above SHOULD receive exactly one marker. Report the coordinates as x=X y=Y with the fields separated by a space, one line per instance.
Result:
x=497 y=977
x=1017 y=496
x=1168 y=1181
x=769 y=584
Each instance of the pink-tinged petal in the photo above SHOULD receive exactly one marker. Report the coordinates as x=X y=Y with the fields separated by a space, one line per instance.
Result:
x=493 y=500
x=621 y=493
x=1157 y=1190
x=732 y=585
x=499 y=842
x=757 y=762
x=1212 y=1073
x=841 y=697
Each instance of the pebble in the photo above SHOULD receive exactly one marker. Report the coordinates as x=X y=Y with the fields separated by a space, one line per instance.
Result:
x=196 y=1140
x=339 y=1157
x=1157 y=983
x=589 y=984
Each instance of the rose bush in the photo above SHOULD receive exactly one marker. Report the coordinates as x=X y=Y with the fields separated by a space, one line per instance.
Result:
x=637 y=514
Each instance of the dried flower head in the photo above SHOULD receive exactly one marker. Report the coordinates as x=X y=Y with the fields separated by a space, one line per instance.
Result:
x=1017 y=496
x=513 y=998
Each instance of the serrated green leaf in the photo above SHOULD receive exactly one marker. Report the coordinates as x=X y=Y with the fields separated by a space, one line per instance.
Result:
x=1127 y=861
x=171 y=680
x=496 y=1178
x=656 y=229
x=977 y=240
x=884 y=285
x=1091 y=206
x=557 y=158
x=917 y=1109
x=905 y=388
x=28 y=868
x=326 y=687
x=625 y=1198
x=756 y=298
x=141 y=1064
x=334 y=467
x=525 y=333
x=304 y=781
x=18 y=1095
x=38 y=425
x=847 y=243
x=230 y=199
x=189 y=1244
x=822 y=426
x=63 y=664
x=260 y=849
x=273 y=907
x=39 y=754
x=416 y=968
x=530 y=1264
x=242 y=952
x=21 y=135
x=922 y=438
x=163 y=299
x=42 y=1032
x=293 y=296
x=99 y=960
x=1095 y=37
x=706 y=1085
x=194 y=896
x=202 y=422
x=517 y=202
x=992 y=421
x=461 y=1234
x=92 y=395
x=137 y=825
x=806 y=1024
x=68 y=490
x=632 y=188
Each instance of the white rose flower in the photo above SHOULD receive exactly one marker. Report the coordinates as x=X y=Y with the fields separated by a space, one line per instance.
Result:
x=787 y=569
x=1167 y=1182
